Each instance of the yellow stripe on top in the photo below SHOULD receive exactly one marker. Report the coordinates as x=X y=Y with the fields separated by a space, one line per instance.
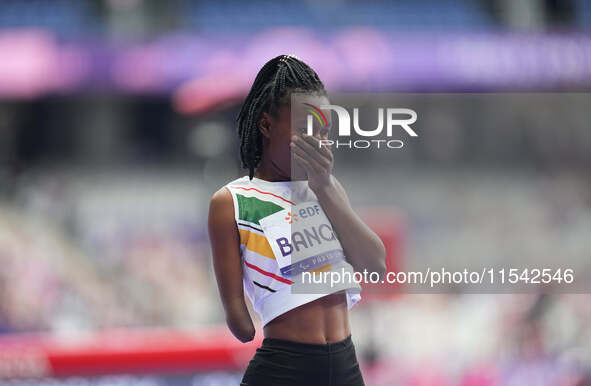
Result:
x=256 y=243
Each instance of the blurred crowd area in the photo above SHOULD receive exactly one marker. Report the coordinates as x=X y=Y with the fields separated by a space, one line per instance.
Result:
x=476 y=340
x=84 y=251
x=117 y=124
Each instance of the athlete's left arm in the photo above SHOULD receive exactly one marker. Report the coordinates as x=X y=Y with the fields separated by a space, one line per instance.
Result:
x=363 y=248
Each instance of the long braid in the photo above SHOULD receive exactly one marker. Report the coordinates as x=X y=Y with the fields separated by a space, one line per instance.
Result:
x=276 y=79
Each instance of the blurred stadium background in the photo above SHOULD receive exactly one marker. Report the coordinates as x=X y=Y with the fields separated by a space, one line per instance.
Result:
x=117 y=125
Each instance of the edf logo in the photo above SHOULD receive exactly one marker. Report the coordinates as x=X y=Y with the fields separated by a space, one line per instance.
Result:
x=309 y=211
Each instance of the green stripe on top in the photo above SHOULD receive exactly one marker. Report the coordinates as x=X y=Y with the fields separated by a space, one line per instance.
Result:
x=253 y=209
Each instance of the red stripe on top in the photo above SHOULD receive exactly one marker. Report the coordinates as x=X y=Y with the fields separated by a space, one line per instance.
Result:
x=278 y=278
x=240 y=187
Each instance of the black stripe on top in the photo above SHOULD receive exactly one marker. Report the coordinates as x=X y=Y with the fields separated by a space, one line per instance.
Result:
x=264 y=286
x=250 y=226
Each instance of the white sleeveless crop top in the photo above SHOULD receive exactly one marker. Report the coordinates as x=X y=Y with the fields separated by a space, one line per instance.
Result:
x=268 y=290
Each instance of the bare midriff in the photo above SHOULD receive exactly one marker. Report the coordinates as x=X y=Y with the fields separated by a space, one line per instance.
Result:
x=324 y=320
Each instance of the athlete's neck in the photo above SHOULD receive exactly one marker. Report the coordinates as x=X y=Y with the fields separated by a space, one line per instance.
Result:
x=269 y=171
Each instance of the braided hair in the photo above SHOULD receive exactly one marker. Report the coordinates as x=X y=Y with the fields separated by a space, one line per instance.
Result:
x=271 y=88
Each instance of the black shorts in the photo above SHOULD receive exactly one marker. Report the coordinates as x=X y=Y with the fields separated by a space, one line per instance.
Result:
x=284 y=363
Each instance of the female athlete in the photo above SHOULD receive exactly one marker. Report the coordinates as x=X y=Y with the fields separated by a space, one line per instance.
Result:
x=307 y=337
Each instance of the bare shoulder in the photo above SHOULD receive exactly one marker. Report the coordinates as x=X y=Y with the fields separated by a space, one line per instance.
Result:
x=221 y=205
x=221 y=197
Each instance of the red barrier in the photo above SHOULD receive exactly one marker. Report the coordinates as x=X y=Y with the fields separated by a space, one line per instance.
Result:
x=126 y=351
